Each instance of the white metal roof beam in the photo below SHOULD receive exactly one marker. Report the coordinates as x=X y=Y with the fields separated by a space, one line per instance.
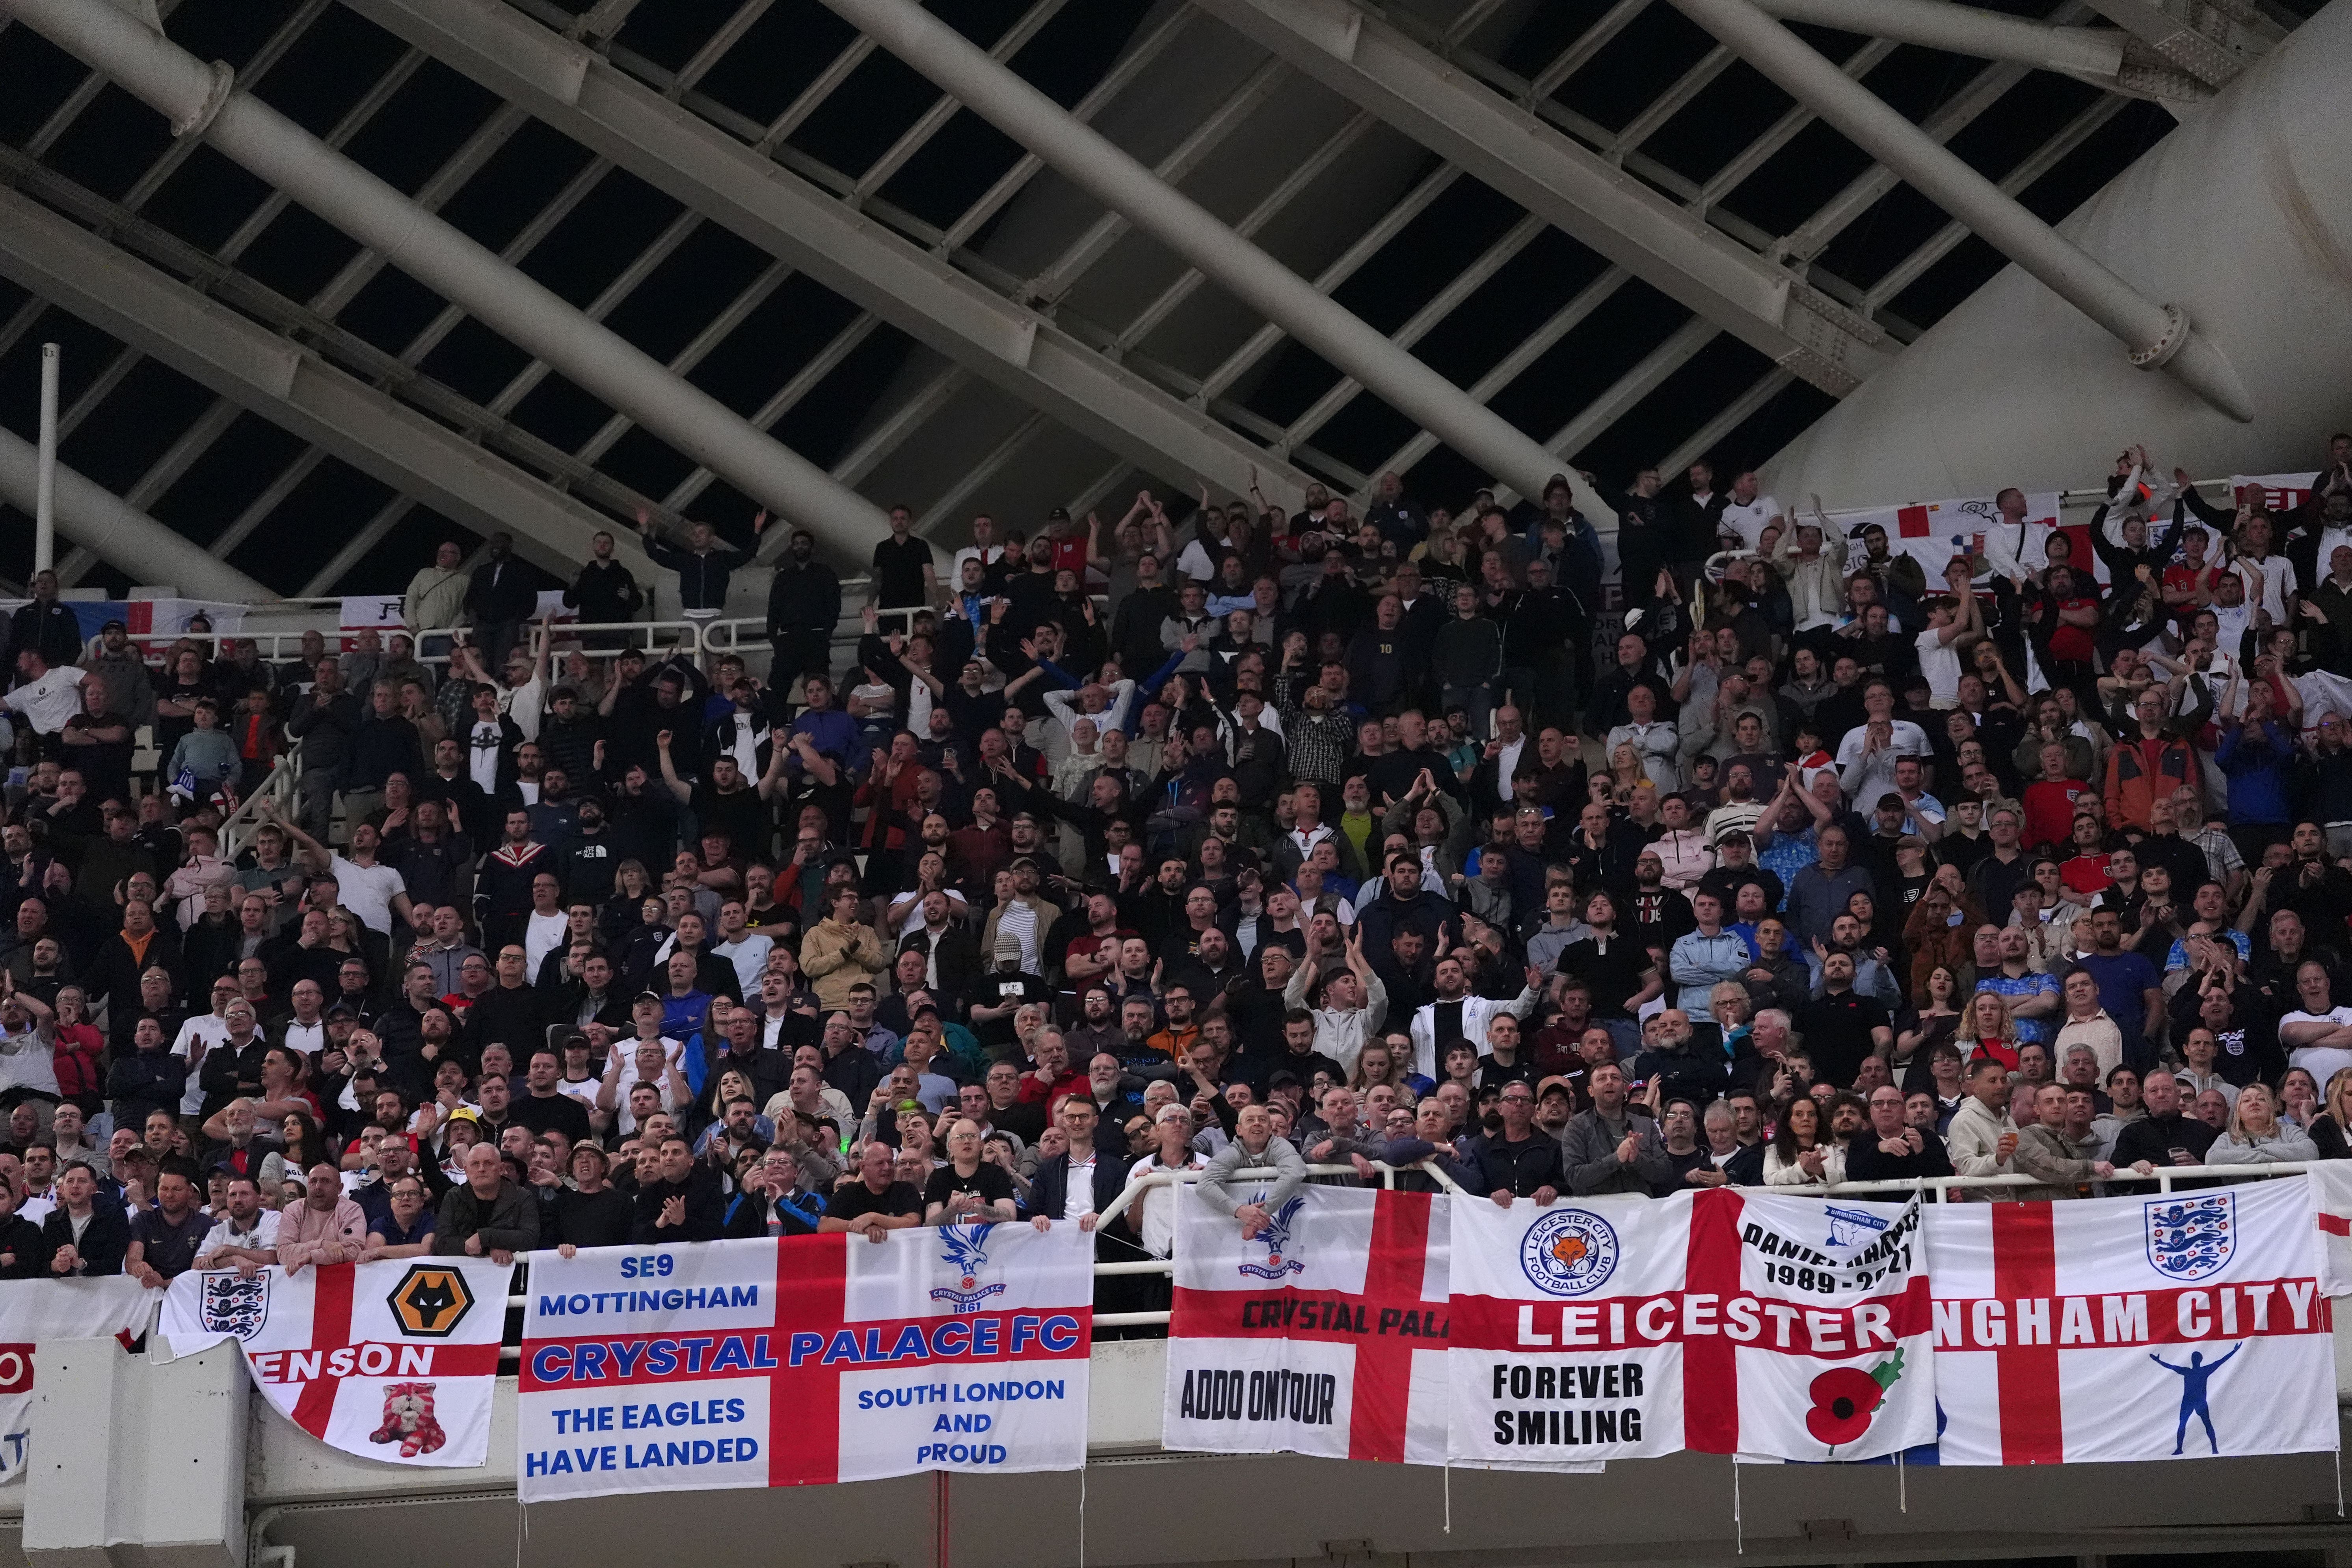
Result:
x=2092 y=52
x=1419 y=325
x=1378 y=66
x=1705 y=439
x=1124 y=71
x=2015 y=183
x=119 y=532
x=744 y=191
x=934 y=119
x=2157 y=335
x=1115 y=178
x=1513 y=366
x=241 y=359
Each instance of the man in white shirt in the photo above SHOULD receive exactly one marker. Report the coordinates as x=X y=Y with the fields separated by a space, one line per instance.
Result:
x=374 y=893
x=1953 y=624
x=246 y=1237
x=1866 y=757
x=48 y=698
x=746 y=949
x=1748 y=512
x=2014 y=547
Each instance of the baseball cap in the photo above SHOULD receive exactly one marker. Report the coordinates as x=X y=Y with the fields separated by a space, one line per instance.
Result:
x=1555 y=1085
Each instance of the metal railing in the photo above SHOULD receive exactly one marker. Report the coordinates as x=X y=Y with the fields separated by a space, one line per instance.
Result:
x=277 y=788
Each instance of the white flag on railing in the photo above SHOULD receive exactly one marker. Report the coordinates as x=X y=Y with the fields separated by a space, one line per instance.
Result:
x=34 y=1310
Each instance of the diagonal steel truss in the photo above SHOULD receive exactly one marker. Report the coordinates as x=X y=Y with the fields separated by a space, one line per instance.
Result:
x=1091 y=354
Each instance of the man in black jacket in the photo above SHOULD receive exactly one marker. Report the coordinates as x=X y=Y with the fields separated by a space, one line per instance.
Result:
x=684 y=1204
x=1515 y=1161
x=498 y=600
x=803 y=608
x=604 y=594
x=325 y=720
x=1888 y=1151
x=2164 y=1136
x=1096 y=1177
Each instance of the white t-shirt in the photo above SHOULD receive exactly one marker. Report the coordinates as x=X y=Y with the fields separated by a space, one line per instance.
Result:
x=1747 y=521
x=1939 y=661
x=224 y=1233
x=541 y=934
x=750 y=957
x=1079 y=1201
x=482 y=741
x=1158 y=1205
x=1907 y=740
x=49 y=701
x=524 y=704
x=2268 y=581
x=2322 y=1062
x=368 y=891
x=198 y=1036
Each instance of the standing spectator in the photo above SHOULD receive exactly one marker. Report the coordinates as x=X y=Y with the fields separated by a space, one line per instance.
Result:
x=164 y=1239
x=487 y=1215
x=904 y=577
x=45 y=626
x=499 y=599
x=804 y=608
x=704 y=569
x=325 y=719
x=605 y=592
x=1606 y=1149
x=435 y=598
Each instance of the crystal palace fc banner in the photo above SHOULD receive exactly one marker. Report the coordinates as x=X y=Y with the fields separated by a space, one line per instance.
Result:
x=1324 y=1333
x=811 y=1359
x=394 y=1361
x=2181 y=1325
x=34 y=1310
x=1725 y=1321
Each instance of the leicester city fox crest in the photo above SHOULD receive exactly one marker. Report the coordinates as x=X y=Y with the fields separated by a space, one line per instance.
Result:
x=966 y=1249
x=2191 y=1237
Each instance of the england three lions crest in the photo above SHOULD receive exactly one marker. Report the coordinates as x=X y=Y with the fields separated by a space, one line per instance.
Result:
x=234 y=1304
x=2191 y=1237
x=966 y=1250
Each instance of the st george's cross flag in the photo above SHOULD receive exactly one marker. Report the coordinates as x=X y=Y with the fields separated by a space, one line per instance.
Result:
x=806 y=1360
x=37 y=1311
x=2177 y=1325
x=394 y=1361
x=1932 y=532
x=2279 y=492
x=1324 y=1333
x=1723 y=1320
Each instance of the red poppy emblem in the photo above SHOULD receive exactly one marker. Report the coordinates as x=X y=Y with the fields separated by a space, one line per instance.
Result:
x=1844 y=1398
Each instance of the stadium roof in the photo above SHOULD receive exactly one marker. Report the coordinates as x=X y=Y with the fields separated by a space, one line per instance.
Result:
x=1670 y=258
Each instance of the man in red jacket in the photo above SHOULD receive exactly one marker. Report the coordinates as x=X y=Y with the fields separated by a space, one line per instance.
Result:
x=2146 y=766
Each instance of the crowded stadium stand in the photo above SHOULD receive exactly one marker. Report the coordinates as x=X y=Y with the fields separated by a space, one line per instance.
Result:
x=427 y=834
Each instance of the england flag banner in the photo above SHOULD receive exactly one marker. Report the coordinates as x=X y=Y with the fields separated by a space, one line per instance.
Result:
x=1722 y=1320
x=805 y=1360
x=2331 y=1199
x=1932 y=532
x=2277 y=492
x=34 y=1311
x=2178 y=1325
x=394 y=1361
x=1323 y=1333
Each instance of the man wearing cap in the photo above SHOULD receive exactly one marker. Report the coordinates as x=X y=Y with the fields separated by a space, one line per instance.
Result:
x=774 y=1201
